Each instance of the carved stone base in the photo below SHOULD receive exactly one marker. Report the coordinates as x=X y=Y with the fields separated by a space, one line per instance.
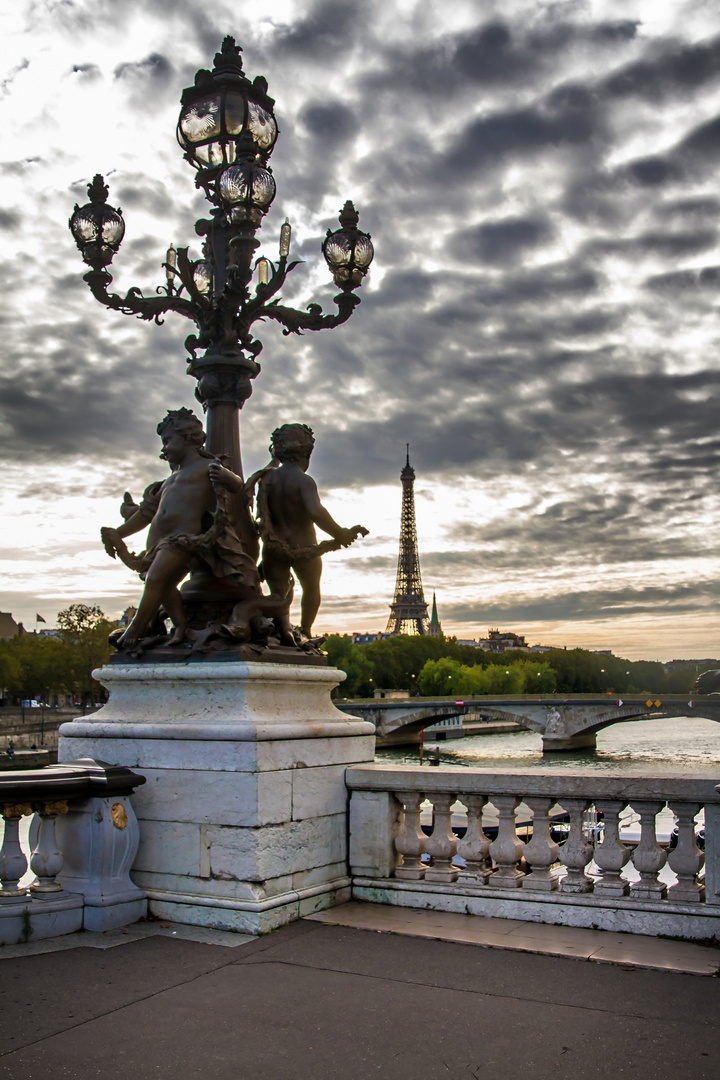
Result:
x=243 y=819
x=612 y=886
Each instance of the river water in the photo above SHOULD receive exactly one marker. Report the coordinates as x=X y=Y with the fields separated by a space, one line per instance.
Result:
x=674 y=744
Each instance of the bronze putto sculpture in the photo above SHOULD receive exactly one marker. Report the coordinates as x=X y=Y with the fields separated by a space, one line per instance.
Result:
x=190 y=530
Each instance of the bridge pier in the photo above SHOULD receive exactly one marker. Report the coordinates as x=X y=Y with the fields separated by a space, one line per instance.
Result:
x=587 y=740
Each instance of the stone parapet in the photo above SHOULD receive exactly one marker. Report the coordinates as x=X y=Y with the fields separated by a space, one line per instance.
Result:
x=638 y=853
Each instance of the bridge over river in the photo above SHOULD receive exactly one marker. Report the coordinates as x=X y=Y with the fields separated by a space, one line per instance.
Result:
x=565 y=723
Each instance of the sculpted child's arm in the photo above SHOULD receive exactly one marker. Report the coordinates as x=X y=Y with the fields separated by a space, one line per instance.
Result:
x=140 y=520
x=137 y=521
x=320 y=516
x=220 y=475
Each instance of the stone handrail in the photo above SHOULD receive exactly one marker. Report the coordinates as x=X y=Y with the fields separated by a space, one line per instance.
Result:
x=594 y=878
x=83 y=837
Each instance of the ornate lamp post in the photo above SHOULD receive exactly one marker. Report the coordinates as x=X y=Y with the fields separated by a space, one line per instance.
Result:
x=227 y=129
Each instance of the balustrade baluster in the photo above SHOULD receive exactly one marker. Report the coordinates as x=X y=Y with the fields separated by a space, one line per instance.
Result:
x=507 y=848
x=611 y=855
x=576 y=852
x=542 y=851
x=13 y=861
x=686 y=859
x=410 y=842
x=46 y=861
x=648 y=857
x=442 y=843
x=474 y=845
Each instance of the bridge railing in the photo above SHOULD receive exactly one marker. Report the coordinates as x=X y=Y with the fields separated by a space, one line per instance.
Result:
x=82 y=837
x=590 y=871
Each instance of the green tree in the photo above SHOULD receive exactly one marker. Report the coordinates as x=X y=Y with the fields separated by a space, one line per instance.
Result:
x=397 y=659
x=85 y=630
x=537 y=678
x=353 y=661
x=37 y=665
x=447 y=676
x=504 y=678
x=440 y=677
x=79 y=619
x=10 y=668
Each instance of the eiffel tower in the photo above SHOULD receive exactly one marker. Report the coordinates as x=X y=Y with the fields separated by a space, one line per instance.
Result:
x=408 y=611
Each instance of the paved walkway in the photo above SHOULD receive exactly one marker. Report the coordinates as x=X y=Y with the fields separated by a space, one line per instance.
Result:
x=315 y=1001
x=600 y=946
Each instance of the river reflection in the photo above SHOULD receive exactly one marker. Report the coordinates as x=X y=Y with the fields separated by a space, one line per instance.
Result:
x=674 y=744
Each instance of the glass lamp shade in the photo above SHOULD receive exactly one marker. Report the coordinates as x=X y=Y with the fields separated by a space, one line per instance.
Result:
x=348 y=251
x=225 y=116
x=247 y=184
x=210 y=129
x=202 y=276
x=97 y=228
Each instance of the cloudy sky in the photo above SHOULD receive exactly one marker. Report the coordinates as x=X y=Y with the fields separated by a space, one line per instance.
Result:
x=540 y=323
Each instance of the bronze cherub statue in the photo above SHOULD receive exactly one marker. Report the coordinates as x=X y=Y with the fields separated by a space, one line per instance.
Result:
x=187 y=519
x=190 y=529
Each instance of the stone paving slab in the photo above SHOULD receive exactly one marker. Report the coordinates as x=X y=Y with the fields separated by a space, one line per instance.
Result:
x=601 y=946
x=110 y=939
x=315 y=1002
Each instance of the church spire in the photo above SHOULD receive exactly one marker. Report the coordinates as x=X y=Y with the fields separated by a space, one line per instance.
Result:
x=435 y=627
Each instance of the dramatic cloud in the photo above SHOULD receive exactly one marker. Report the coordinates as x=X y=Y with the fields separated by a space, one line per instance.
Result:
x=540 y=322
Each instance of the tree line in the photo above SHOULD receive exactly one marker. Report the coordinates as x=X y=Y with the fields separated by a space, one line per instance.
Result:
x=33 y=665
x=433 y=666
x=37 y=666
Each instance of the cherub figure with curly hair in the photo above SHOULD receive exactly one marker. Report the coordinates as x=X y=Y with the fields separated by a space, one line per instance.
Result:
x=288 y=509
x=188 y=521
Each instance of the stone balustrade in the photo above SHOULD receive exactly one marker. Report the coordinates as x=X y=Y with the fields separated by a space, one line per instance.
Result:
x=83 y=838
x=590 y=876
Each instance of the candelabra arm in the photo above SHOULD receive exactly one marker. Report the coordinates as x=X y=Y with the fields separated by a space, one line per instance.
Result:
x=134 y=303
x=295 y=322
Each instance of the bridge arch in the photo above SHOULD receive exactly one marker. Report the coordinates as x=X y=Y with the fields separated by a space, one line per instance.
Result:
x=564 y=723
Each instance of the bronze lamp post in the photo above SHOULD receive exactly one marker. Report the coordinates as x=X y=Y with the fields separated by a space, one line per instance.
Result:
x=228 y=130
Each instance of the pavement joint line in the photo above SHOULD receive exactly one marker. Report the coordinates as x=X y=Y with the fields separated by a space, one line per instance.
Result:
x=112 y=1012
x=465 y=990
x=112 y=939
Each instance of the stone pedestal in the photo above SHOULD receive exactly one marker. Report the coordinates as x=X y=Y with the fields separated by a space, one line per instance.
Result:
x=243 y=819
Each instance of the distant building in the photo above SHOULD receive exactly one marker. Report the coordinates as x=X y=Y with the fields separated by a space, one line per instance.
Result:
x=368 y=636
x=689 y=665
x=504 y=641
x=497 y=641
x=392 y=695
x=8 y=627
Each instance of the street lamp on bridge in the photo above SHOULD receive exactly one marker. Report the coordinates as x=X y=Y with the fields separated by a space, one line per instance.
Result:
x=227 y=129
